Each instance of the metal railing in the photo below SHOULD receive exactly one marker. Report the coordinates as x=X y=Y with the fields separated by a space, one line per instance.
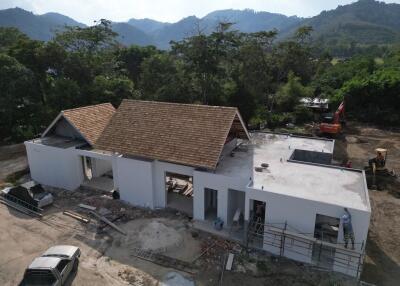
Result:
x=22 y=203
x=280 y=239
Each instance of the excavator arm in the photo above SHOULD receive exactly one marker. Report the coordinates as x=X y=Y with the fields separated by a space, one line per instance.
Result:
x=335 y=126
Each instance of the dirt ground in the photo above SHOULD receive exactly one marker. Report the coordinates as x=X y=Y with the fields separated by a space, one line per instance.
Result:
x=107 y=256
x=382 y=263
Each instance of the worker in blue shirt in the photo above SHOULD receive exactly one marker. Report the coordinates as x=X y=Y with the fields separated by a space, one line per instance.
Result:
x=347 y=228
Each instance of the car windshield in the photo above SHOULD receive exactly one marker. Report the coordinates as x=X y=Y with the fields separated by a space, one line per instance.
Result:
x=39 y=278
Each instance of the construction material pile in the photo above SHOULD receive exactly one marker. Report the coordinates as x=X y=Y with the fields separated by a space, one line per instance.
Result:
x=213 y=249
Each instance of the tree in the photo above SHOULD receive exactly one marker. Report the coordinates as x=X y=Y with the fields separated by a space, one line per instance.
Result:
x=89 y=39
x=289 y=94
x=131 y=58
x=19 y=100
x=9 y=37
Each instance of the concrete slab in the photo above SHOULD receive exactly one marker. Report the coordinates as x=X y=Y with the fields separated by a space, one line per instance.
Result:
x=100 y=183
x=314 y=182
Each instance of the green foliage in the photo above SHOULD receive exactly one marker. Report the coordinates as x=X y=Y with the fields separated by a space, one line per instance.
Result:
x=275 y=120
x=375 y=97
x=18 y=96
x=290 y=93
x=264 y=79
x=88 y=39
x=10 y=37
x=302 y=114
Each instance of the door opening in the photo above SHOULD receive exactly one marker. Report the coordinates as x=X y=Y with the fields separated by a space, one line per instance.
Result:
x=210 y=204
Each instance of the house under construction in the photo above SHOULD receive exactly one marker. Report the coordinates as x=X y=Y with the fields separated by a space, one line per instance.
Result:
x=275 y=192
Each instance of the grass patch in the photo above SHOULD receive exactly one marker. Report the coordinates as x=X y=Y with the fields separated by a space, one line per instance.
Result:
x=13 y=178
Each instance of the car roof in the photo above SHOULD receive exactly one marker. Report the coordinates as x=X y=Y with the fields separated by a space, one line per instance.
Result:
x=44 y=262
x=61 y=251
x=29 y=184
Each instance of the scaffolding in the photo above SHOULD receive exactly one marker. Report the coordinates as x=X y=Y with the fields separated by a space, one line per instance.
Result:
x=283 y=240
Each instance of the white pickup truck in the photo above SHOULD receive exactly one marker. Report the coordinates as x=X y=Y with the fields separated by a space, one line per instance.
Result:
x=53 y=268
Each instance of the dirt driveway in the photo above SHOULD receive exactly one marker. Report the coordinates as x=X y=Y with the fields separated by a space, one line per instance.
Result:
x=23 y=238
x=382 y=263
x=107 y=257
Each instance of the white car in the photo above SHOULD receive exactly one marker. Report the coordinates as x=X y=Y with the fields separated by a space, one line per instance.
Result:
x=53 y=268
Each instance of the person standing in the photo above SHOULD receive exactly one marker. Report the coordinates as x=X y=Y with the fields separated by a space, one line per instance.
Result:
x=347 y=229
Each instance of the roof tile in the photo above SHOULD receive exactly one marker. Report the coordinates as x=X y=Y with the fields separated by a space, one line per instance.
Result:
x=90 y=120
x=185 y=134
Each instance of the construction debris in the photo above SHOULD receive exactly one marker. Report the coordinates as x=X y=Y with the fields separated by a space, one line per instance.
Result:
x=229 y=262
x=87 y=207
x=102 y=218
x=104 y=225
x=76 y=216
x=163 y=260
x=204 y=251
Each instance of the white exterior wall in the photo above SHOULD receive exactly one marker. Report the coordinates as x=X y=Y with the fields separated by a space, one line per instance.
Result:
x=135 y=181
x=160 y=169
x=217 y=182
x=301 y=214
x=56 y=167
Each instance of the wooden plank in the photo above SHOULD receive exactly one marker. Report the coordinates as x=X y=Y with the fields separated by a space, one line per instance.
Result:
x=230 y=261
x=76 y=216
x=237 y=215
x=188 y=191
x=102 y=218
x=87 y=207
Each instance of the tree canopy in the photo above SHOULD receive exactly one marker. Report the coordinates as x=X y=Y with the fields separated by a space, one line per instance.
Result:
x=264 y=78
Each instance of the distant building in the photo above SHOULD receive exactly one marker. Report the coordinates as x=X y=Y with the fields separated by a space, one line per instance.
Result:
x=315 y=103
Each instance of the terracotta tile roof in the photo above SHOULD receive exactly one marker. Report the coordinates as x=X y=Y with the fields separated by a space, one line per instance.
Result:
x=185 y=134
x=90 y=121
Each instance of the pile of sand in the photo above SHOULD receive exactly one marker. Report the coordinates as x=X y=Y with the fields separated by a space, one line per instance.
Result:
x=157 y=236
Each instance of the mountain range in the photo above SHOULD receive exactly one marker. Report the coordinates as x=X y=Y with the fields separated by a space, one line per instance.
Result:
x=362 y=22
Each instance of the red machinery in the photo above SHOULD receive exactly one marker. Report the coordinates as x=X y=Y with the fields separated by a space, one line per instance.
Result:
x=332 y=123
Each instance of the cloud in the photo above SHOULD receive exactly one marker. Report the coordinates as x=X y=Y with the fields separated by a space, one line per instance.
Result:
x=87 y=11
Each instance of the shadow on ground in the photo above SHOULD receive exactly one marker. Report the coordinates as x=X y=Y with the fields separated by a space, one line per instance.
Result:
x=382 y=270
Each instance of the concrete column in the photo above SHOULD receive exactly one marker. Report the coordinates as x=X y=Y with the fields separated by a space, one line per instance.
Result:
x=198 y=202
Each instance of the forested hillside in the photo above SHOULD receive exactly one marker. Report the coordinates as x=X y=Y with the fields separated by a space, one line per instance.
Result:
x=264 y=78
x=363 y=23
x=344 y=31
x=39 y=27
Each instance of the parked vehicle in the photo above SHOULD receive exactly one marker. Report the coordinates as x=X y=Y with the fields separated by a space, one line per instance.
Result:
x=29 y=194
x=53 y=268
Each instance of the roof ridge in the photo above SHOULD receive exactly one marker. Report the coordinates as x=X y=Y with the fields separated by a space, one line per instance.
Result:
x=87 y=106
x=180 y=104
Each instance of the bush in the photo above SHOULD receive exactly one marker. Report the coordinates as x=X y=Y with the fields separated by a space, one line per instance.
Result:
x=275 y=120
x=302 y=114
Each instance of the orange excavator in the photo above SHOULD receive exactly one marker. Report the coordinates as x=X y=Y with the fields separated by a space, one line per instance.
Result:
x=332 y=123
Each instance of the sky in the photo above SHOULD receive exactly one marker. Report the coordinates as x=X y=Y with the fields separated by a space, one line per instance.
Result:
x=86 y=11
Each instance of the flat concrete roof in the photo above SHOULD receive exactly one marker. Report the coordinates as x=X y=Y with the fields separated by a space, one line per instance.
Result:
x=326 y=184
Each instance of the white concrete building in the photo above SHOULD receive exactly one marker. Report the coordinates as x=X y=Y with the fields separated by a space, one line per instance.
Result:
x=275 y=192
